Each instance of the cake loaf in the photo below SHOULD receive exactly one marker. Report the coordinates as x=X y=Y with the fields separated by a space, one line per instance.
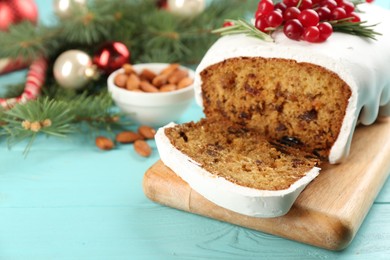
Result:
x=317 y=93
x=289 y=105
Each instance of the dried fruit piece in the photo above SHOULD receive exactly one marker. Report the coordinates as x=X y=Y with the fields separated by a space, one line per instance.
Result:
x=147 y=131
x=142 y=148
x=127 y=137
x=104 y=143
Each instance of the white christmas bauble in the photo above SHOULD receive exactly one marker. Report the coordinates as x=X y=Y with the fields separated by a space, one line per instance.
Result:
x=73 y=69
x=186 y=8
x=63 y=8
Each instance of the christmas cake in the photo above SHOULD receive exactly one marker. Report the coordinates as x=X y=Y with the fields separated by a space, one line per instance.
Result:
x=274 y=110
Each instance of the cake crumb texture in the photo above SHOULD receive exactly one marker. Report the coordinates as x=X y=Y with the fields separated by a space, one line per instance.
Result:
x=241 y=155
x=278 y=98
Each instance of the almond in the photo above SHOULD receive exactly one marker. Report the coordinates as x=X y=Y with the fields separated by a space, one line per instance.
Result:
x=128 y=68
x=170 y=69
x=168 y=87
x=160 y=80
x=185 y=83
x=147 y=87
x=127 y=137
x=133 y=82
x=147 y=75
x=104 y=143
x=176 y=76
x=142 y=148
x=147 y=131
x=120 y=80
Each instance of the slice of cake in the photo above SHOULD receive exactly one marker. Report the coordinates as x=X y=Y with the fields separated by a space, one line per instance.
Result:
x=237 y=168
x=274 y=110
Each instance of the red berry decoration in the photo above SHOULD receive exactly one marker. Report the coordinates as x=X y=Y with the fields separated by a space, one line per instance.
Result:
x=290 y=3
x=304 y=19
x=347 y=6
x=293 y=29
x=330 y=4
x=325 y=30
x=306 y=4
x=261 y=23
x=308 y=17
x=291 y=13
x=338 y=13
x=311 y=34
x=323 y=13
x=355 y=17
x=265 y=7
x=280 y=7
x=227 y=24
x=274 y=19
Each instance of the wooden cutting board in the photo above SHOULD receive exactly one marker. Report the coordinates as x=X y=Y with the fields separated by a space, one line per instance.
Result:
x=327 y=214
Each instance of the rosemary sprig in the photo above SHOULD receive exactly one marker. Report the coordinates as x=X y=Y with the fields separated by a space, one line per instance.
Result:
x=242 y=26
x=355 y=28
x=343 y=25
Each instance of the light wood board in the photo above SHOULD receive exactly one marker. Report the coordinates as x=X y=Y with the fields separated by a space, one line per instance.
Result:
x=327 y=214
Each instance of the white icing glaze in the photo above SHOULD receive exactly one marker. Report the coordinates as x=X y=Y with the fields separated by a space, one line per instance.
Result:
x=363 y=64
x=244 y=200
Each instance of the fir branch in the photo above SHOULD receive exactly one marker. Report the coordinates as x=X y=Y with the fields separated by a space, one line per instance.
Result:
x=240 y=26
x=22 y=40
x=26 y=121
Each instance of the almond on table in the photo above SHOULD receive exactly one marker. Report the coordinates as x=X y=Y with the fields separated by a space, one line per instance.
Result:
x=142 y=148
x=147 y=131
x=127 y=137
x=104 y=143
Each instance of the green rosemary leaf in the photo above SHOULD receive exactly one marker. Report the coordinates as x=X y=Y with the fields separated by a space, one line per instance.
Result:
x=355 y=28
x=242 y=26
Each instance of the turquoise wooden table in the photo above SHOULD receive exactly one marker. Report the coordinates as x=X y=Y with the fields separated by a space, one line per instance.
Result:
x=69 y=200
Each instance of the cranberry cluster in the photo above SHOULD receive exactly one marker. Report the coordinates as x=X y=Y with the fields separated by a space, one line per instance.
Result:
x=304 y=19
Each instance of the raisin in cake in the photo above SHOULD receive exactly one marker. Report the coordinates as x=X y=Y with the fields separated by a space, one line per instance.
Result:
x=274 y=110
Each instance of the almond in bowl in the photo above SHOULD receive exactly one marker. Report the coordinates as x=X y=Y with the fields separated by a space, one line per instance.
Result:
x=153 y=94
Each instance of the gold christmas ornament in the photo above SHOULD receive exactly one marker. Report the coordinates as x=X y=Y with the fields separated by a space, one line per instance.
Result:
x=73 y=69
x=64 y=8
x=186 y=8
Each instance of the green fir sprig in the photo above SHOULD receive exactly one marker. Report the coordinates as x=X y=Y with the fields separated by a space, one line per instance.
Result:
x=60 y=116
x=150 y=33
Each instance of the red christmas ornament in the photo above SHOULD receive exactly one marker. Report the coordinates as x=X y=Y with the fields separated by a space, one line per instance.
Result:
x=6 y=16
x=111 y=56
x=15 y=11
x=162 y=4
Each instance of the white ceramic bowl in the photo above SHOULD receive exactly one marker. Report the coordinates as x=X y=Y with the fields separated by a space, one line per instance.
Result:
x=153 y=109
